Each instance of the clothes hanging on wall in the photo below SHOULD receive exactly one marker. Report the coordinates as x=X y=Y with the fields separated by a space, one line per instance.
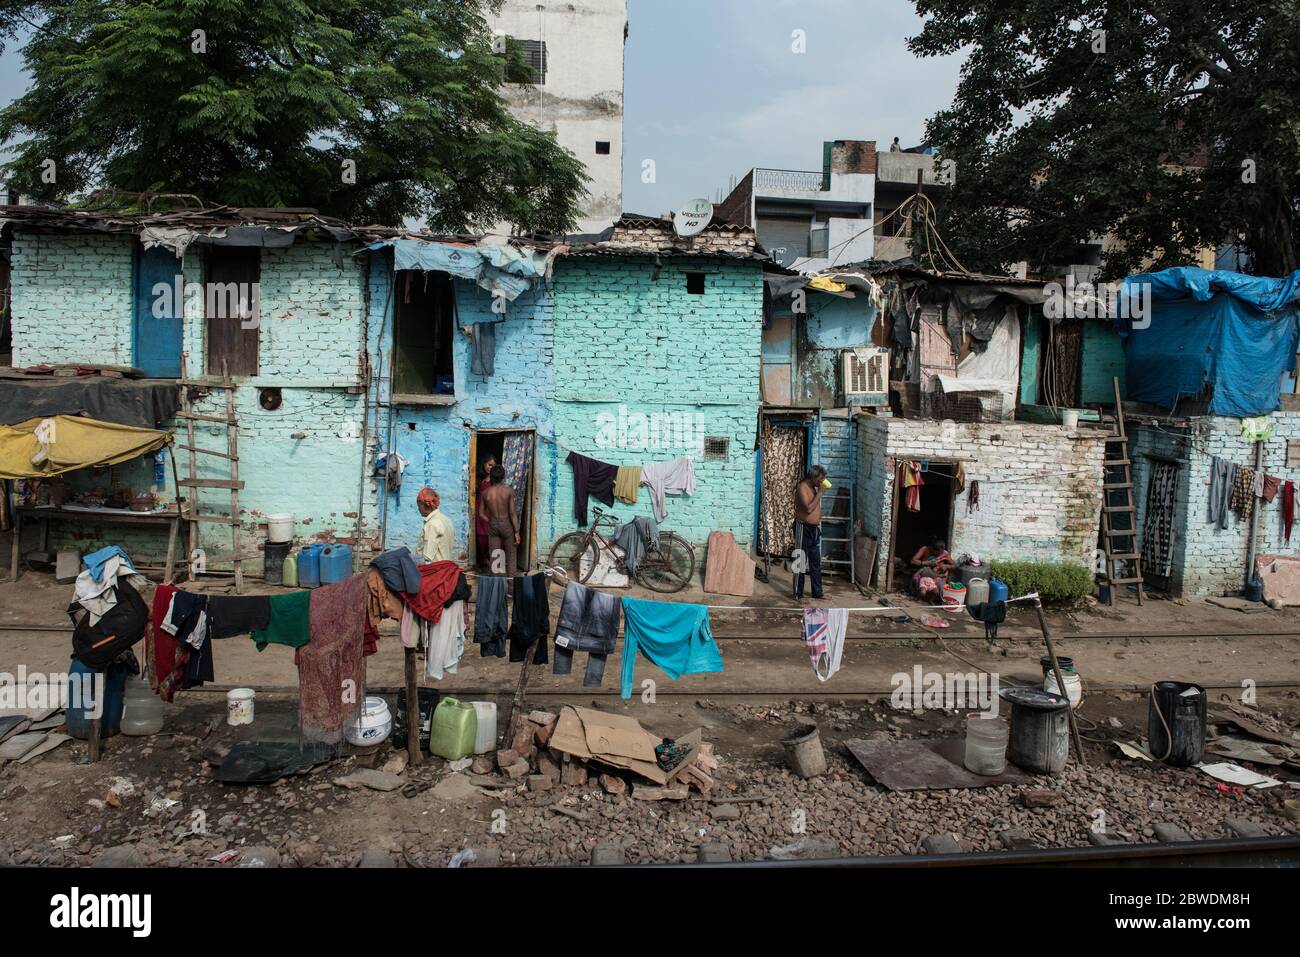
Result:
x=823 y=636
x=588 y=621
x=483 y=348
x=675 y=477
x=626 y=481
x=673 y=635
x=1271 y=485
x=591 y=478
x=634 y=538
x=782 y=466
x=912 y=483
x=1288 y=509
x=1222 y=482
x=1243 y=492
x=973 y=497
x=516 y=454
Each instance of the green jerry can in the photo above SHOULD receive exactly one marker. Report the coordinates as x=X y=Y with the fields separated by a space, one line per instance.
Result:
x=290 y=574
x=455 y=724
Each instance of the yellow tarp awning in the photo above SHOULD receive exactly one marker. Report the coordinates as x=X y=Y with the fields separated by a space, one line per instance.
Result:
x=40 y=448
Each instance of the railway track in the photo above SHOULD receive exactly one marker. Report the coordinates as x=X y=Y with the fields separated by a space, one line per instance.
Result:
x=1270 y=852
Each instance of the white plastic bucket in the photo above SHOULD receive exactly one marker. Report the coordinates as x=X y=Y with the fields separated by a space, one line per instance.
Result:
x=1073 y=687
x=372 y=725
x=485 y=738
x=239 y=706
x=279 y=527
x=1069 y=419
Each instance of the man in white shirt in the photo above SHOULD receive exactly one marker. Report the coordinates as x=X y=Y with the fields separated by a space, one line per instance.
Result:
x=436 y=539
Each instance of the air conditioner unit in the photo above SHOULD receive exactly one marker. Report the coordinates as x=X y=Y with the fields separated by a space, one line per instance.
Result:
x=866 y=376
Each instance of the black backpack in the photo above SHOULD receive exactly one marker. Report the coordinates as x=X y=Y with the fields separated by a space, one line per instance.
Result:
x=97 y=645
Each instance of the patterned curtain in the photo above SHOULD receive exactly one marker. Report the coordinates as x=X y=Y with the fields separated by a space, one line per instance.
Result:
x=783 y=467
x=514 y=459
x=1158 y=523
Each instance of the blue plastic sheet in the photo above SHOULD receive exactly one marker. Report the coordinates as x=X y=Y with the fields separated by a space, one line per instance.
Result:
x=501 y=270
x=1232 y=332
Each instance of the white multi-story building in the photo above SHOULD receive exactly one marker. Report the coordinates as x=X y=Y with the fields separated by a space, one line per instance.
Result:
x=811 y=220
x=576 y=51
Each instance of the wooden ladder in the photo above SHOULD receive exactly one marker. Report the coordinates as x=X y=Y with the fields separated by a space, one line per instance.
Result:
x=194 y=483
x=1119 y=533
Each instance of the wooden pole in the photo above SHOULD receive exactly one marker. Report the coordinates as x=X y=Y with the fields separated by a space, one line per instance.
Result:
x=1060 y=682
x=517 y=703
x=413 y=719
x=94 y=740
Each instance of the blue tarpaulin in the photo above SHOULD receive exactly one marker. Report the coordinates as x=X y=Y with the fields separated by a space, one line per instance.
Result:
x=501 y=270
x=1233 y=332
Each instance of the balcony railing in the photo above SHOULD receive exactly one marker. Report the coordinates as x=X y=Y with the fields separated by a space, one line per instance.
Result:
x=798 y=180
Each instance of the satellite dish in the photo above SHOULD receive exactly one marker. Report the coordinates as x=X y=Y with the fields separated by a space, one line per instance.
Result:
x=691 y=219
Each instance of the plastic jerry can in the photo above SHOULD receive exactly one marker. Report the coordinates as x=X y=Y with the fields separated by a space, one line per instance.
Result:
x=289 y=576
x=309 y=565
x=335 y=564
x=455 y=725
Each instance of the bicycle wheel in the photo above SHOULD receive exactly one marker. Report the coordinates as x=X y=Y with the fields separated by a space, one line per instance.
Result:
x=575 y=555
x=670 y=568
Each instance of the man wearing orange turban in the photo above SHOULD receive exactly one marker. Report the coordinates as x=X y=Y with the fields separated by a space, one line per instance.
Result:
x=436 y=539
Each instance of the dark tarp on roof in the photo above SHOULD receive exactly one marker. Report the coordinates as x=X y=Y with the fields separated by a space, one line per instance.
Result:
x=145 y=404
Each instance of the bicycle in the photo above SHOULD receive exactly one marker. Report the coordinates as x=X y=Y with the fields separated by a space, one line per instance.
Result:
x=666 y=569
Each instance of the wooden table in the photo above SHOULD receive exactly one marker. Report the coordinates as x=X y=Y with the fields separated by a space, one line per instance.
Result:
x=44 y=513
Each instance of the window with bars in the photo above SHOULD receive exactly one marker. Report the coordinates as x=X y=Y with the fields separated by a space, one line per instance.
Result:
x=717 y=448
x=534 y=52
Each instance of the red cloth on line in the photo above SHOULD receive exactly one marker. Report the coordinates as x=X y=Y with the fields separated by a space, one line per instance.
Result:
x=1288 y=509
x=437 y=582
x=332 y=666
x=169 y=655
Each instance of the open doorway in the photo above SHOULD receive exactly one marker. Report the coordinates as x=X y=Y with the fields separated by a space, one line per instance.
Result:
x=514 y=451
x=919 y=518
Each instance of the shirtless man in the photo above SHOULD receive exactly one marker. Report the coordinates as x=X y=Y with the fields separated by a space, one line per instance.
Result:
x=497 y=506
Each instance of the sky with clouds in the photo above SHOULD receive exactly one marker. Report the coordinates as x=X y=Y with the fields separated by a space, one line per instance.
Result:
x=713 y=88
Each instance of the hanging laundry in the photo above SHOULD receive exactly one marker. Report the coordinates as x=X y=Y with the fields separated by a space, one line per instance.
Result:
x=237 y=615
x=591 y=478
x=483 y=348
x=399 y=568
x=673 y=635
x=1243 y=491
x=444 y=641
x=676 y=477
x=912 y=483
x=288 y=623
x=635 y=537
x=823 y=636
x=490 y=616
x=1288 y=509
x=98 y=594
x=332 y=665
x=588 y=622
x=1222 y=481
x=392 y=464
x=169 y=656
x=381 y=601
x=410 y=631
x=973 y=497
x=1271 y=485
x=1158 y=526
x=959 y=479
x=531 y=623
x=626 y=481
x=187 y=618
x=438 y=581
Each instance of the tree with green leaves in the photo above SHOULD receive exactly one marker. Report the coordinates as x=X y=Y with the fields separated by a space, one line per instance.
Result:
x=370 y=110
x=1169 y=125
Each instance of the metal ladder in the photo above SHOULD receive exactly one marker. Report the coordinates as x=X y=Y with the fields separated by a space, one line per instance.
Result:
x=1119 y=532
x=193 y=483
x=842 y=493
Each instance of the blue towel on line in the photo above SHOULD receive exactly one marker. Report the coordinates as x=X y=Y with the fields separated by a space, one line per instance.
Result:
x=673 y=635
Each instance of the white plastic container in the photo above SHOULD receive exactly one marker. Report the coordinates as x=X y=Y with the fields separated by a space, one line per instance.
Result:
x=986 y=744
x=485 y=738
x=372 y=725
x=977 y=591
x=239 y=706
x=142 y=711
x=1073 y=687
x=1070 y=419
x=279 y=527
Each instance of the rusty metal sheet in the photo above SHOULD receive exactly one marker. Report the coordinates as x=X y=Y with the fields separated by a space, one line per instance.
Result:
x=925 y=764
